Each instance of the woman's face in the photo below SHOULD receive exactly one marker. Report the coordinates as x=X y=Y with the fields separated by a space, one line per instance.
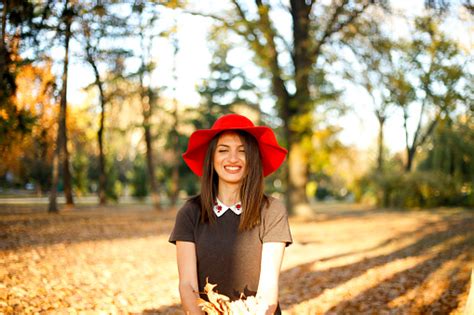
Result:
x=229 y=158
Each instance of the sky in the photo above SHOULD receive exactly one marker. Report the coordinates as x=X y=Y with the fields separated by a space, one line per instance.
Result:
x=359 y=126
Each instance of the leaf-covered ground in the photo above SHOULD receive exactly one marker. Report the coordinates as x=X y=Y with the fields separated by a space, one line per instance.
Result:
x=346 y=260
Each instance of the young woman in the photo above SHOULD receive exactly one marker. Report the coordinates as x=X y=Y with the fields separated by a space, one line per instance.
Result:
x=232 y=234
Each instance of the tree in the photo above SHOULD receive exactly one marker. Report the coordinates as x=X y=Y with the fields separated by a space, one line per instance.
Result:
x=148 y=95
x=13 y=120
x=61 y=153
x=431 y=76
x=35 y=93
x=373 y=49
x=451 y=150
x=174 y=131
x=293 y=63
x=30 y=154
x=314 y=25
x=98 y=25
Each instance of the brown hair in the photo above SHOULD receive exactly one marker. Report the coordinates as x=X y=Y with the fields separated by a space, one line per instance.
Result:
x=251 y=189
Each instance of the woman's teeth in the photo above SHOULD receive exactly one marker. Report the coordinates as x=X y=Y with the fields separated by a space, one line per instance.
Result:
x=232 y=168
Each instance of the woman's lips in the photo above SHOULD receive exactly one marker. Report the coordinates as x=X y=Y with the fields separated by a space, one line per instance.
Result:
x=232 y=169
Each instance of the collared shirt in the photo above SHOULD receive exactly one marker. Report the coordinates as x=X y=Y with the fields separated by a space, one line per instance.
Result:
x=226 y=256
x=220 y=208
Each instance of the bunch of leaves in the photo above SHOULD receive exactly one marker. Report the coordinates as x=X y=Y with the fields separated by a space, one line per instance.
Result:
x=220 y=304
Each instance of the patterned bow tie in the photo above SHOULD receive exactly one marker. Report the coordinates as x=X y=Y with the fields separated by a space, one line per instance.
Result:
x=220 y=208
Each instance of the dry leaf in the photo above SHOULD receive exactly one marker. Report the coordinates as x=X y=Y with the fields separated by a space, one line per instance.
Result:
x=220 y=304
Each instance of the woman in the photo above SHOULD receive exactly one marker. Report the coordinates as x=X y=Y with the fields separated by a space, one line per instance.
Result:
x=232 y=234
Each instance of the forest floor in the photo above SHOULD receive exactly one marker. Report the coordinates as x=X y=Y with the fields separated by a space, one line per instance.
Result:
x=347 y=259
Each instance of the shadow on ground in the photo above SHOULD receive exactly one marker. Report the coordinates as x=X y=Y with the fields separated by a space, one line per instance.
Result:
x=312 y=284
x=29 y=227
x=174 y=309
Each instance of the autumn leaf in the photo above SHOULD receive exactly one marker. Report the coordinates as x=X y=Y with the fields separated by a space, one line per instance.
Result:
x=220 y=304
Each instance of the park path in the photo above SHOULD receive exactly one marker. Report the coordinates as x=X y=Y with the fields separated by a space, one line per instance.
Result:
x=347 y=259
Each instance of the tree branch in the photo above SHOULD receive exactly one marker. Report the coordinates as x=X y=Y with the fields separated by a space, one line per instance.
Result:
x=269 y=33
x=250 y=28
x=428 y=131
x=405 y=126
x=333 y=27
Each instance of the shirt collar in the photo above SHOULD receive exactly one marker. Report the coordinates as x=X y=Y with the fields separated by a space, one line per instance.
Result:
x=220 y=208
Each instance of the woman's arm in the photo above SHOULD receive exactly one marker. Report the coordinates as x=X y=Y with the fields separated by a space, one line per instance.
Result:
x=272 y=256
x=188 y=281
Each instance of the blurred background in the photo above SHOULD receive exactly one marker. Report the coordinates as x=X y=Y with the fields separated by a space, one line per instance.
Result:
x=373 y=99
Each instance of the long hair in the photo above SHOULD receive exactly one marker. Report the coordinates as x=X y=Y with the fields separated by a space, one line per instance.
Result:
x=252 y=194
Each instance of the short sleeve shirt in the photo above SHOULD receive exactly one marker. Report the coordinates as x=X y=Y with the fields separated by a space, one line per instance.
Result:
x=225 y=256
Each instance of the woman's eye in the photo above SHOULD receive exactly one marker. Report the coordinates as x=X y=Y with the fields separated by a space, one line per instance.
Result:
x=222 y=151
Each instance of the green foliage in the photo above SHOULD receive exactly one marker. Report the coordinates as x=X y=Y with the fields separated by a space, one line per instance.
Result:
x=113 y=187
x=296 y=68
x=39 y=173
x=80 y=164
x=451 y=150
x=227 y=84
x=86 y=175
x=21 y=19
x=139 y=178
x=14 y=121
x=416 y=189
x=444 y=176
x=329 y=187
x=188 y=181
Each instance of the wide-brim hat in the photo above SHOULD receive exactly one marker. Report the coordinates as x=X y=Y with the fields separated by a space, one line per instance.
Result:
x=271 y=152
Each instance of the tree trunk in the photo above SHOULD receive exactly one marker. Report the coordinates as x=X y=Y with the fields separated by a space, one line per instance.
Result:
x=383 y=193
x=43 y=157
x=53 y=205
x=100 y=133
x=298 y=173
x=410 y=157
x=155 y=193
x=300 y=105
x=100 y=139
x=60 y=152
x=380 y=140
x=261 y=35
x=3 y=50
x=287 y=135
x=6 y=79
x=175 y=172
x=148 y=100
x=408 y=149
x=66 y=171
x=155 y=196
x=174 y=133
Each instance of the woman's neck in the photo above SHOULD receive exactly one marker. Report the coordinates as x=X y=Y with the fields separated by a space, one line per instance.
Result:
x=228 y=194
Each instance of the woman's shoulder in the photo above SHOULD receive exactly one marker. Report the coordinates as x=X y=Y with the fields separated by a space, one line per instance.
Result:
x=274 y=206
x=192 y=206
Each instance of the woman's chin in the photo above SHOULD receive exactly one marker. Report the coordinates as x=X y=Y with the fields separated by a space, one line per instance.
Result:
x=231 y=179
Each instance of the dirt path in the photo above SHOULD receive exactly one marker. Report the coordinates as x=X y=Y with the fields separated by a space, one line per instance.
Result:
x=346 y=260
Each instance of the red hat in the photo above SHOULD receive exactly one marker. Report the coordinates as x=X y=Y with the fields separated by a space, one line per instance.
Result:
x=272 y=154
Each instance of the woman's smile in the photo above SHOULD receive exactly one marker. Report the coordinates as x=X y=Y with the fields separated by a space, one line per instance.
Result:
x=232 y=169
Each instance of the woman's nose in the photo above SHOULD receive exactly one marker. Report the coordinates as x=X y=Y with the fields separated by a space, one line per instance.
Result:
x=234 y=156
